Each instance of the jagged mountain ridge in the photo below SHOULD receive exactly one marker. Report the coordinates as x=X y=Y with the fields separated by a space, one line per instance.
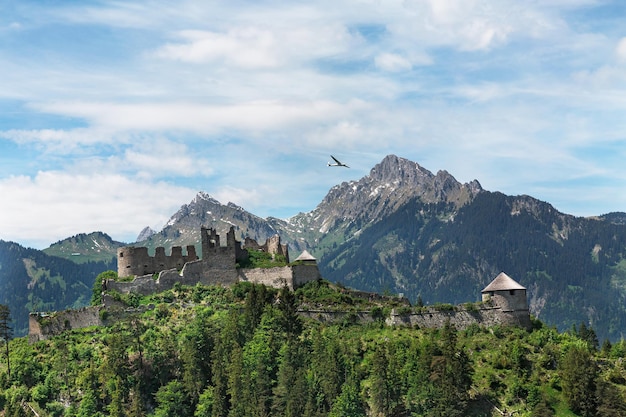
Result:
x=145 y=234
x=403 y=229
x=351 y=206
x=183 y=228
x=443 y=241
x=390 y=183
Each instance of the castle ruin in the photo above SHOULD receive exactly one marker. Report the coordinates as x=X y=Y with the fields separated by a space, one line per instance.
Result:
x=217 y=266
x=504 y=301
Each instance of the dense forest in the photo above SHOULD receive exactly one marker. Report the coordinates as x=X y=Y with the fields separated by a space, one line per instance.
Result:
x=30 y=280
x=244 y=351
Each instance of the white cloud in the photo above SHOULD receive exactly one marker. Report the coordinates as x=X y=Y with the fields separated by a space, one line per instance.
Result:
x=215 y=93
x=243 y=47
x=259 y=47
x=161 y=158
x=244 y=197
x=392 y=62
x=54 y=205
x=620 y=50
x=255 y=116
x=62 y=141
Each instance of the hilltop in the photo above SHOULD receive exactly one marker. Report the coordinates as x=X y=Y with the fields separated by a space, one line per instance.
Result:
x=83 y=248
x=217 y=351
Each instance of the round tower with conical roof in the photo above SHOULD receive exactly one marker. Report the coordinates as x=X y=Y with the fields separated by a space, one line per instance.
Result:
x=506 y=293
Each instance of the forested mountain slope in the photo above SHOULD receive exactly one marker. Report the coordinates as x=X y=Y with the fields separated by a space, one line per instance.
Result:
x=573 y=268
x=30 y=280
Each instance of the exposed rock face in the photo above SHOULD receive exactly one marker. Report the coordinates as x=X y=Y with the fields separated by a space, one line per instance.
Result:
x=183 y=228
x=389 y=185
x=146 y=233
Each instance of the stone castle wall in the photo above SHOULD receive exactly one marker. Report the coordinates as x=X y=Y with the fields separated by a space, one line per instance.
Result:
x=218 y=266
x=292 y=276
x=42 y=327
x=512 y=300
x=462 y=318
x=216 y=273
x=136 y=261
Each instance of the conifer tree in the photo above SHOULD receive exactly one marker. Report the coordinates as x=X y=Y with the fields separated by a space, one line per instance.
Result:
x=290 y=321
x=172 y=401
x=6 y=333
x=116 y=406
x=451 y=376
x=136 y=408
x=290 y=394
x=384 y=379
x=611 y=402
x=348 y=403
x=235 y=384
x=579 y=375
x=205 y=403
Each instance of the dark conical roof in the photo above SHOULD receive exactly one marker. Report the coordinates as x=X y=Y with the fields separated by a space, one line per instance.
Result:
x=503 y=282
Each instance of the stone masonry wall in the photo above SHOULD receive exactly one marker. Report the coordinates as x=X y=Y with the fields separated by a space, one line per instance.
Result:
x=271 y=277
x=42 y=326
x=216 y=273
x=197 y=272
x=136 y=261
x=305 y=273
x=462 y=318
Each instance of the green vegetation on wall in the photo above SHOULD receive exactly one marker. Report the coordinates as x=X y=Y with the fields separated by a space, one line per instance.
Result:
x=262 y=259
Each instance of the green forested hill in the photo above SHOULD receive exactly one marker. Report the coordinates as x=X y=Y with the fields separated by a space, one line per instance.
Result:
x=83 y=248
x=220 y=352
x=30 y=280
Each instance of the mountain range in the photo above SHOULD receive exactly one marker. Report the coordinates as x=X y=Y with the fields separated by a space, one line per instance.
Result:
x=403 y=229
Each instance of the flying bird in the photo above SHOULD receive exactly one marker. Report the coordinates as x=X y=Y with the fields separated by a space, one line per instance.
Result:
x=337 y=163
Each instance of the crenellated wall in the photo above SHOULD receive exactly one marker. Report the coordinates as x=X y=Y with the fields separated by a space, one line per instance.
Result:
x=217 y=266
x=216 y=273
x=136 y=260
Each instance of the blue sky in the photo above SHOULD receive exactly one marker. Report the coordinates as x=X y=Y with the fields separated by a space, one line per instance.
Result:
x=113 y=114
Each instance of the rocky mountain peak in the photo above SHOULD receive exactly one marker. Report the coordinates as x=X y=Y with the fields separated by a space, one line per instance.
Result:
x=203 y=197
x=390 y=184
x=145 y=234
x=393 y=169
